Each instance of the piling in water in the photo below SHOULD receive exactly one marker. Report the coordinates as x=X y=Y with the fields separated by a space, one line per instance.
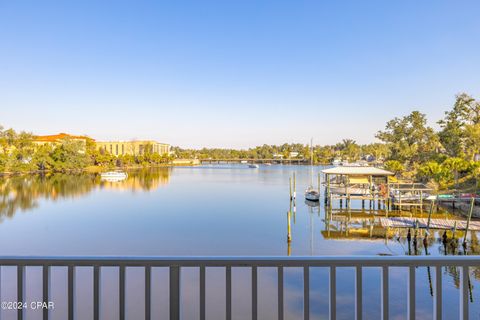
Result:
x=294 y=186
x=472 y=205
x=432 y=205
x=289 y=229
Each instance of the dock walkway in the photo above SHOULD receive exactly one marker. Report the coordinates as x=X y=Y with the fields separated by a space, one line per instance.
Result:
x=407 y=222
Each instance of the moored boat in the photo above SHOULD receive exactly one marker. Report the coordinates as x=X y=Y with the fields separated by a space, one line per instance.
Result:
x=312 y=194
x=254 y=166
x=114 y=175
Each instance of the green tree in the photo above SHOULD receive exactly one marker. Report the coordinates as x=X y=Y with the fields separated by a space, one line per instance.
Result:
x=432 y=170
x=460 y=131
x=42 y=159
x=378 y=150
x=455 y=165
x=69 y=155
x=394 y=166
x=409 y=139
x=475 y=172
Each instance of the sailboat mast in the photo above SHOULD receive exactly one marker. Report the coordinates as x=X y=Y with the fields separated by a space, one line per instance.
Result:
x=311 y=162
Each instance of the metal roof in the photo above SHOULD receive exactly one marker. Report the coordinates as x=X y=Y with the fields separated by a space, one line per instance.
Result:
x=358 y=171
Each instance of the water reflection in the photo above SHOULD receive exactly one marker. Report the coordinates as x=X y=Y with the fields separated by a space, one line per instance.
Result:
x=22 y=193
x=233 y=211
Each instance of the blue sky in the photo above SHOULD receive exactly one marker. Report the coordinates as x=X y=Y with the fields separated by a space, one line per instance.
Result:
x=232 y=73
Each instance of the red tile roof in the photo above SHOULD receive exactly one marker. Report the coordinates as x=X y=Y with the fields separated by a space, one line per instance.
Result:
x=60 y=136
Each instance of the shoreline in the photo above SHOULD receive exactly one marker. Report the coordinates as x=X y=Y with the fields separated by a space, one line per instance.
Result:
x=90 y=169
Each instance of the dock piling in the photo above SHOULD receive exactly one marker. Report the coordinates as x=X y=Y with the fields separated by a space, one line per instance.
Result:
x=432 y=205
x=289 y=229
x=472 y=205
x=294 y=186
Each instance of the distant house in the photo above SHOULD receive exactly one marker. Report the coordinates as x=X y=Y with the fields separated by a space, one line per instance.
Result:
x=476 y=157
x=277 y=156
x=57 y=139
x=293 y=154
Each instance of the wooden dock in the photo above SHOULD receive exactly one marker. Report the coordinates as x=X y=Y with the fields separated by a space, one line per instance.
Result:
x=407 y=222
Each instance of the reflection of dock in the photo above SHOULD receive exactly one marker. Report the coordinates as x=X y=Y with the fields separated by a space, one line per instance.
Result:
x=402 y=219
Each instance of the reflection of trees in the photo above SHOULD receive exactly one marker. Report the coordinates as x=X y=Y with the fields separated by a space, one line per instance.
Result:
x=21 y=193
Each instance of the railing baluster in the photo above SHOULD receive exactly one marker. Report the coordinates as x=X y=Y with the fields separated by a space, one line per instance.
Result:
x=45 y=289
x=254 y=293
x=202 y=292
x=174 y=292
x=175 y=265
x=437 y=303
x=306 y=293
x=71 y=303
x=121 y=292
x=385 y=293
x=228 y=293
x=148 y=292
x=333 y=293
x=96 y=292
x=358 y=293
x=280 y=293
x=20 y=271
x=411 y=293
x=464 y=295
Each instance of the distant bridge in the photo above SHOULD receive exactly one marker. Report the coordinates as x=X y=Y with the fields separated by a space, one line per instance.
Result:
x=238 y=160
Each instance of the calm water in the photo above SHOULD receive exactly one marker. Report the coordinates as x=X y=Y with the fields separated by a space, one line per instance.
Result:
x=212 y=210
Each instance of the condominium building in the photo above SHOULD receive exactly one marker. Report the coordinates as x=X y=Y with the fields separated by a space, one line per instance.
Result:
x=135 y=147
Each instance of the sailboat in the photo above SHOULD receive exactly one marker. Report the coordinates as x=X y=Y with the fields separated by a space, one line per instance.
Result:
x=312 y=194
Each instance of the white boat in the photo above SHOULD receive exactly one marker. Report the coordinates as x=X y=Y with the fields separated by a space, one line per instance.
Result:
x=113 y=176
x=255 y=166
x=337 y=162
x=312 y=194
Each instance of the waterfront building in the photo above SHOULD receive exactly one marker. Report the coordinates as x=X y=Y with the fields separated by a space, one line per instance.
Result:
x=57 y=139
x=134 y=147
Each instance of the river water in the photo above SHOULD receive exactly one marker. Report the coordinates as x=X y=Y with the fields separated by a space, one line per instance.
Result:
x=218 y=210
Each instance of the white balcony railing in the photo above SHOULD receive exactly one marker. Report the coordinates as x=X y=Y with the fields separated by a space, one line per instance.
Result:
x=176 y=263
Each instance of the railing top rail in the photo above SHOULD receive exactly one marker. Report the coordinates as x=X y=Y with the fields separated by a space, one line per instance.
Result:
x=239 y=261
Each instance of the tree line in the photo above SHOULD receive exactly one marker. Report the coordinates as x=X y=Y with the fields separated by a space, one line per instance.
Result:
x=448 y=157
x=19 y=153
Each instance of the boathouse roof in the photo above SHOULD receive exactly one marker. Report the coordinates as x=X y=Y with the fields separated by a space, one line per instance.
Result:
x=358 y=171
